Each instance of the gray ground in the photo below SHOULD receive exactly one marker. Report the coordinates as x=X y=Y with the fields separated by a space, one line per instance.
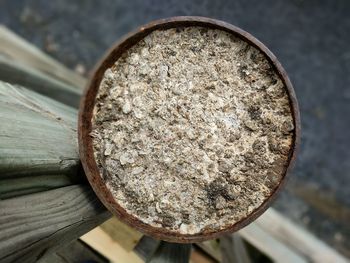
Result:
x=311 y=39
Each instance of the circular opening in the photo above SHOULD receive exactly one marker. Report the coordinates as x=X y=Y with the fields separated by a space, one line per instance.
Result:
x=188 y=128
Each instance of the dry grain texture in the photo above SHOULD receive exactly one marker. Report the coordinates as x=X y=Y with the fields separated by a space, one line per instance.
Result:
x=192 y=128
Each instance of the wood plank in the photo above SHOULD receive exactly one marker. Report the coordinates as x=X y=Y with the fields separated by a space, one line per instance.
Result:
x=197 y=256
x=40 y=169
x=38 y=149
x=269 y=245
x=15 y=73
x=38 y=143
x=38 y=146
x=146 y=246
x=233 y=249
x=35 y=225
x=171 y=252
x=76 y=252
x=297 y=238
x=106 y=246
x=25 y=53
x=212 y=248
x=121 y=233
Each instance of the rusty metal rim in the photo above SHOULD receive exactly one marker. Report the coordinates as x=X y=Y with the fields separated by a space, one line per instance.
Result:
x=85 y=115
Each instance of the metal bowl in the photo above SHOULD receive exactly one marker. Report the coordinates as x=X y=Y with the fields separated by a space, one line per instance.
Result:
x=85 y=126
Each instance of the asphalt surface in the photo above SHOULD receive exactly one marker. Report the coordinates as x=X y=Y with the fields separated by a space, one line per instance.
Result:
x=310 y=38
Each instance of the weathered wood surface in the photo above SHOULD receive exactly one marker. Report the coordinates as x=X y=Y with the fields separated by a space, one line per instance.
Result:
x=76 y=252
x=171 y=253
x=39 y=152
x=18 y=49
x=296 y=238
x=146 y=246
x=198 y=256
x=123 y=234
x=106 y=246
x=282 y=240
x=34 y=225
x=38 y=143
x=31 y=78
x=38 y=149
x=212 y=248
x=269 y=245
x=233 y=249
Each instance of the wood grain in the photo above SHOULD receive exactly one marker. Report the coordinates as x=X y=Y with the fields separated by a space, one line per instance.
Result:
x=37 y=224
x=33 y=79
x=106 y=246
x=233 y=249
x=269 y=245
x=212 y=248
x=126 y=236
x=39 y=152
x=171 y=253
x=38 y=142
x=198 y=256
x=25 y=53
x=296 y=238
x=76 y=252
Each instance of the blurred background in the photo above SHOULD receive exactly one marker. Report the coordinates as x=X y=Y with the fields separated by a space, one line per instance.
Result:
x=310 y=38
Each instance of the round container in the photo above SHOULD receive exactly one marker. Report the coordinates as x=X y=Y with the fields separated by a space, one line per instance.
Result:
x=85 y=126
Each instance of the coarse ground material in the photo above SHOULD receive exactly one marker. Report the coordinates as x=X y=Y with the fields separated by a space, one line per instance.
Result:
x=192 y=128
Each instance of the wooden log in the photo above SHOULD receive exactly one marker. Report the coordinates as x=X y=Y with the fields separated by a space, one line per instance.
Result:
x=282 y=240
x=38 y=149
x=25 y=53
x=295 y=238
x=38 y=144
x=31 y=78
x=35 y=225
x=269 y=245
